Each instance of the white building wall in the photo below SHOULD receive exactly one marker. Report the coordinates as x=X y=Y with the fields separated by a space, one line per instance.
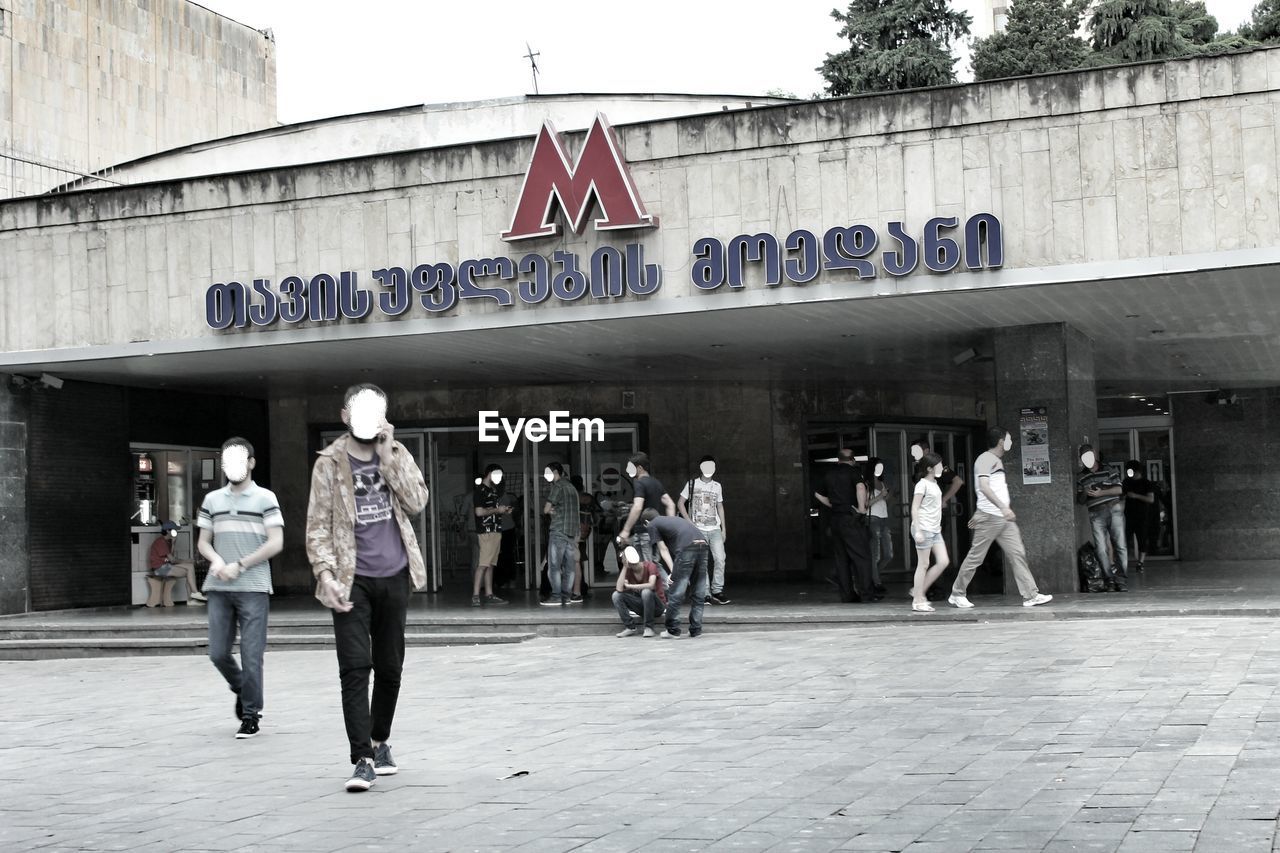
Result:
x=1138 y=162
x=90 y=83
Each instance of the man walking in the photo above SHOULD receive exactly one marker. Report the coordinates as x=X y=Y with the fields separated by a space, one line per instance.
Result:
x=562 y=538
x=995 y=521
x=702 y=502
x=241 y=528
x=1100 y=488
x=684 y=549
x=365 y=490
x=845 y=494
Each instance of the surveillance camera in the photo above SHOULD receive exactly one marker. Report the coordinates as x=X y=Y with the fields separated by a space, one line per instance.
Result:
x=48 y=380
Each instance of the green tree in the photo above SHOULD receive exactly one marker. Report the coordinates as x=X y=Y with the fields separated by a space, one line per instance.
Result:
x=894 y=44
x=1264 y=25
x=1040 y=36
x=1138 y=30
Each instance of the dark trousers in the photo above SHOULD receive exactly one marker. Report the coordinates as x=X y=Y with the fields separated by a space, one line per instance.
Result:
x=370 y=637
x=853 y=556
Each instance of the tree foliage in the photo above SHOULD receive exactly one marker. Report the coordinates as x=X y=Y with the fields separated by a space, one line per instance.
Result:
x=1264 y=25
x=1040 y=36
x=894 y=44
x=1139 y=30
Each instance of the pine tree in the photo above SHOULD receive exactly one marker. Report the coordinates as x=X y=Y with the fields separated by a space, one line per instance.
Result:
x=1264 y=25
x=1040 y=36
x=894 y=44
x=1139 y=30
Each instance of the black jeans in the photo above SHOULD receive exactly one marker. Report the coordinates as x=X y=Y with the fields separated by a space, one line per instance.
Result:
x=370 y=636
x=853 y=556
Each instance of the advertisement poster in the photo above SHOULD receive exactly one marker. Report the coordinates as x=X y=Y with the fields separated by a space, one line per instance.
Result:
x=1034 y=429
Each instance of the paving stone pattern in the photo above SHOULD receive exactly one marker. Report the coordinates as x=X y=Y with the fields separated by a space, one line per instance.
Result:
x=1156 y=734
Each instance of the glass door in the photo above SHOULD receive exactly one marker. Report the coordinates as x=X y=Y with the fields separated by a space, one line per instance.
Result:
x=1148 y=441
x=603 y=466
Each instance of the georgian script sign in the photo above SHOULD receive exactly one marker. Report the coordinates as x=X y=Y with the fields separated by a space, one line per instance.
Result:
x=600 y=179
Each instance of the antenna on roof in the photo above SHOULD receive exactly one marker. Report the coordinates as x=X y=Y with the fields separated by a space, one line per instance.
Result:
x=533 y=65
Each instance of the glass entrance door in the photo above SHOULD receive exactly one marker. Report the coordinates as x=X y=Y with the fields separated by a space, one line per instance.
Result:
x=603 y=469
x=1149 y=441
x=891 y=444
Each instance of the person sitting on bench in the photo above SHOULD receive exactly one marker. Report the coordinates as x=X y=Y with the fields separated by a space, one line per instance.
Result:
x=165 y=567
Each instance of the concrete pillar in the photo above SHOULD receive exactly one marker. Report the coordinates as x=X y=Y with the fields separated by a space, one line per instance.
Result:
x=291 y=481
x=1048 y=365
x=15 y=593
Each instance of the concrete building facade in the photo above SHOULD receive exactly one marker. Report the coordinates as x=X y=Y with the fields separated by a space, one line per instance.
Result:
x=1093 y=249
x=92 y=83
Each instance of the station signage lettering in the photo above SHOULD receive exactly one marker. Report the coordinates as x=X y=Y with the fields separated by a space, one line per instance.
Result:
x=600 y=176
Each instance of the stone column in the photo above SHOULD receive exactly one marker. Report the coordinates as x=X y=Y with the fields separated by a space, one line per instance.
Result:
x=1049 y=365
x=15 y=591
x=291 y=481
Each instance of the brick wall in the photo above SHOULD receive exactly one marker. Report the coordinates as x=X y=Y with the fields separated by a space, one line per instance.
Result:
x=78 y=496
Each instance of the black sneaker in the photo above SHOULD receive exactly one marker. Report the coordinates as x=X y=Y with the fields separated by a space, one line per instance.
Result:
x=248 y=728
x=718 y=598
x=575 y=599
x=493 y=599
x=383 y=763
x=363 y=777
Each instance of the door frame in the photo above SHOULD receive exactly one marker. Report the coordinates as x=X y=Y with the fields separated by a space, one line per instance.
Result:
x=1133 y=425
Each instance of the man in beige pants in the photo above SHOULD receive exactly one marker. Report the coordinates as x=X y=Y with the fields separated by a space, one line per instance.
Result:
x=994 y=521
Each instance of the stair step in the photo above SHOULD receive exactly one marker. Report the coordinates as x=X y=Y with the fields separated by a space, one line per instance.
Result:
x=48 y=649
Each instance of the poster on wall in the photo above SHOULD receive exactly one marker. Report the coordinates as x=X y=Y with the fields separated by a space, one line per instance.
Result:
x=1034 y=429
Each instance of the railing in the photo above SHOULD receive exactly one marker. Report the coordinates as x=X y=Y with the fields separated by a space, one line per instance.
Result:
x=26 y=174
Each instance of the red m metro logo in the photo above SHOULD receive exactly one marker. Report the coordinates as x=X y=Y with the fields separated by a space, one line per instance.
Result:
x=600 y=173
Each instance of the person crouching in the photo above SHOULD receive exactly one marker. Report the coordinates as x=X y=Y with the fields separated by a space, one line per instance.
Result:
x=639 y=590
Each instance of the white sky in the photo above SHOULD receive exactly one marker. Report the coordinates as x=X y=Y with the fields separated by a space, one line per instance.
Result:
x=334 y=58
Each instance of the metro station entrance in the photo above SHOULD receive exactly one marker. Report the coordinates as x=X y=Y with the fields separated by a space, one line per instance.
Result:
x=453 y=459
x=891 y=443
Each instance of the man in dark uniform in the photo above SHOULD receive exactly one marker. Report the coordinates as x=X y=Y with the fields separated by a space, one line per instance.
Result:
x=845 y=494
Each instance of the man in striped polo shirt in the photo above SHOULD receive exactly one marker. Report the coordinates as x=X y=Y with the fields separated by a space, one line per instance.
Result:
x=241 y=528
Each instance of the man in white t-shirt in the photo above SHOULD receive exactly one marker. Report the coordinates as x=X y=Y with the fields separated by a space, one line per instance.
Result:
x=994 y=521
x=705 y=508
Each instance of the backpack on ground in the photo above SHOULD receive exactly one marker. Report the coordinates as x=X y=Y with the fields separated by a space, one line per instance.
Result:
x=1090 y=568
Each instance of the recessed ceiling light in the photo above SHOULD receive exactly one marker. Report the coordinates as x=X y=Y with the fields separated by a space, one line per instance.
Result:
x=764 y=358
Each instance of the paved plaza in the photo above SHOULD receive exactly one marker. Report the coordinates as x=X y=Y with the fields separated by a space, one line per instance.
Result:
x=1155 y=734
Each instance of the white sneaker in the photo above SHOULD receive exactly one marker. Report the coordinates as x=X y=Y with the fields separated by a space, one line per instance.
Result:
x=960 y=601
x=667 y=635
x=627 y=632
x=196 y=595
x=649 y=632
x=1038 y=600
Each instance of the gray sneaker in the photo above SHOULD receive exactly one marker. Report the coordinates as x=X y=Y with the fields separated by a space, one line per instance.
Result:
x=383 y=763
x=363 y=777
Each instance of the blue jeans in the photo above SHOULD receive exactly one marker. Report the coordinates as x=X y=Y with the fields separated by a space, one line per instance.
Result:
x=1109 y=521
x=560 y=551
x=644 y=602
x=715 y=539
x=248 y=612
x=690 y=566
x=881 y=545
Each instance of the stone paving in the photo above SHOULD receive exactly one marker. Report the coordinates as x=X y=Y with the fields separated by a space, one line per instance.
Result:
x=1154 y=734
